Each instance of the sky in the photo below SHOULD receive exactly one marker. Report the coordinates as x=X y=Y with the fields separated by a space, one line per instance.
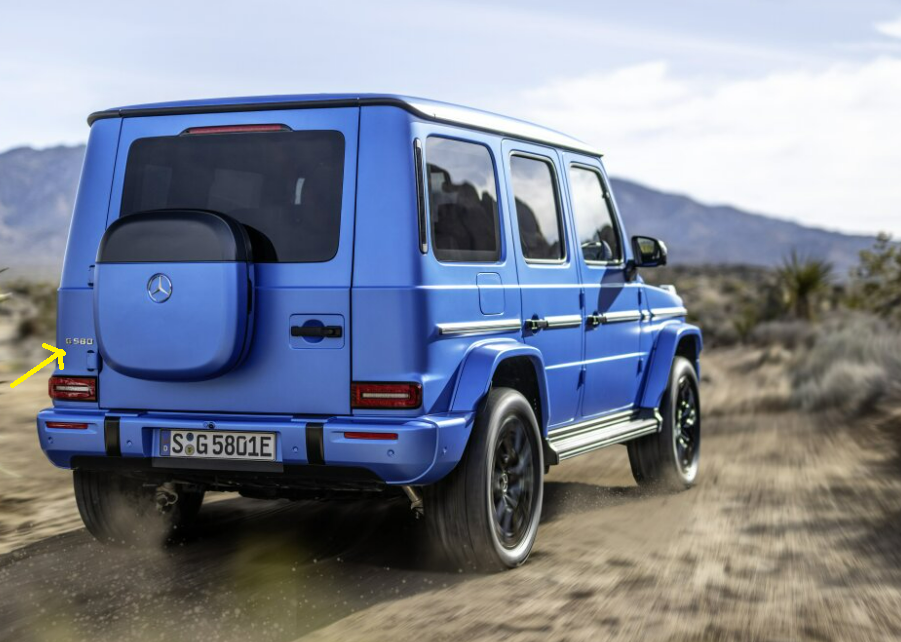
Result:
x=786 y=107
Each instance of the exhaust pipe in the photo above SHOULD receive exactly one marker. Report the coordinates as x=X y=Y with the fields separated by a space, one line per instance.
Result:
x=415 y=497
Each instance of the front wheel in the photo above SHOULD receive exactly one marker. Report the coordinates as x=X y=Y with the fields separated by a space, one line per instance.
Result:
x=669 y=459
x=117 y=509
x=486 y=512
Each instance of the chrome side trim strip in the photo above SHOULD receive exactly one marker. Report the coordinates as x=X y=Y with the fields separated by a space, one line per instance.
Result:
x=668 y=313
x=565 y=321
x=621 y=317
x=479 y=327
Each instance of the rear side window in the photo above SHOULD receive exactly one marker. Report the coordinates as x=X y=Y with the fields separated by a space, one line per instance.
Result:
x=537 y=209
x=285 y=187
x=462 y=201
x=595 y=224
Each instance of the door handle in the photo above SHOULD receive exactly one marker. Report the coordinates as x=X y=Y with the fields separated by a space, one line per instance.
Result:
x=322 y=331
x=555 y=322
x=595 y=319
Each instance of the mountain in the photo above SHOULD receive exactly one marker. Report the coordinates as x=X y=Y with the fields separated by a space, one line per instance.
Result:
x=704 y=234
x=37 y=190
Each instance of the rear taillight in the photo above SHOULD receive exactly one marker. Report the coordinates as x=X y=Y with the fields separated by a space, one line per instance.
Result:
x=66 y=425
x=386 y=395
x=73 y=388
x=236 y=129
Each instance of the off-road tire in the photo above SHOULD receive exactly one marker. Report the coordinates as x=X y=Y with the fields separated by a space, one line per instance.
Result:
x=122 y=510
x=462 y=509
x=659 y=460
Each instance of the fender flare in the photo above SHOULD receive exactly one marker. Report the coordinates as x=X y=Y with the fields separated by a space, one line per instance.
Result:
x=478 y=368
x=661 y=360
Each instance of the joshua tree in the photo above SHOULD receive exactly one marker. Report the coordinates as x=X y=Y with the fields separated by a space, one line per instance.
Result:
x=804 y=279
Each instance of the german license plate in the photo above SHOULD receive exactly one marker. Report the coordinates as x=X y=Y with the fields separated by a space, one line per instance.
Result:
x=218 y=444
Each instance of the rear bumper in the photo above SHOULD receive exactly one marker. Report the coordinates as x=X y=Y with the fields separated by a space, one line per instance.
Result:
x=426 y=449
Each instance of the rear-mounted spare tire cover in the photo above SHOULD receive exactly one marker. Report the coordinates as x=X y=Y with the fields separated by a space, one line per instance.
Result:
x=173 y=295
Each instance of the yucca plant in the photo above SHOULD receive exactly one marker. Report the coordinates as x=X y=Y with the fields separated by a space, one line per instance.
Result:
x=804 y=280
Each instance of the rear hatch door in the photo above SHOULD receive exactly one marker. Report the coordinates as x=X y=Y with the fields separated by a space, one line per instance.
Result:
x=287 y=176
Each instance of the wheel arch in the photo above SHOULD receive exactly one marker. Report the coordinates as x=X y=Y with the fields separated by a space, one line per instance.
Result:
x=507 y=363
x=674 y=340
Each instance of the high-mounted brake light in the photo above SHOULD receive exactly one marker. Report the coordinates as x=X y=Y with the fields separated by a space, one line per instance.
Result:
x=68 y=425
x=374 y=436
x=236 y=129
x=386 y=395
x=73 y=388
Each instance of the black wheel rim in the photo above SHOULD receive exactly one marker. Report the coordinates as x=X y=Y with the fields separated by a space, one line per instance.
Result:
x=687 y=433
x=512 y=483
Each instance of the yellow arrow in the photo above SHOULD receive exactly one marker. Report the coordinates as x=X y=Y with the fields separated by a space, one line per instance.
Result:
x=58 y=353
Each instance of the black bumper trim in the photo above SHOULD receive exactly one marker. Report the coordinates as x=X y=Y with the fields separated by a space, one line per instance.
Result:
x=111 y=436
x=315 y=449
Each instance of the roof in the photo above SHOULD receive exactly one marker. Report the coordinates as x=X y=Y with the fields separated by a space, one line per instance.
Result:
x=431 y=110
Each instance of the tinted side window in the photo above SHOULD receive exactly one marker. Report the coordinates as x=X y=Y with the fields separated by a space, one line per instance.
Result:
x=284 y=187
x=462 y=201
x=595 y=225
x=537 y=209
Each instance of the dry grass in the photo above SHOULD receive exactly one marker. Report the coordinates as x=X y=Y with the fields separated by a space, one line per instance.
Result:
x=850 y=363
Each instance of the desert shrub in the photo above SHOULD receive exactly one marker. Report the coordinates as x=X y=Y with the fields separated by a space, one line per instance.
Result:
x=791 y=334
x=876 y=281
x=852 y=364
x=33 y=306
x=726 y=301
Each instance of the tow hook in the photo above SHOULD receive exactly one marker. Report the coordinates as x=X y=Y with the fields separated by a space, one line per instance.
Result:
x=415 y=498
x=166 y=496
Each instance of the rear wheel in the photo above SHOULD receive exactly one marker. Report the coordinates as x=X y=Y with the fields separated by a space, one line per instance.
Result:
x=486 y=512
x=669 y=459
x=122 y=510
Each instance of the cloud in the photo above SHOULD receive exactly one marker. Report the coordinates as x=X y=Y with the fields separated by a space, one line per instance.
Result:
x=892 y=28
x=821 y=147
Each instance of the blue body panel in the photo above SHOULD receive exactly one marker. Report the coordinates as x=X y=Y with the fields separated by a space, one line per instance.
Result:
x=393 y=302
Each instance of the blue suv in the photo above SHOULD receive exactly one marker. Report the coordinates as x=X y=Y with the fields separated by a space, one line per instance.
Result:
x=313 y=296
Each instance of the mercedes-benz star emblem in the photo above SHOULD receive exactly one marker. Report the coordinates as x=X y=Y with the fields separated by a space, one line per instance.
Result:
x=159 y=287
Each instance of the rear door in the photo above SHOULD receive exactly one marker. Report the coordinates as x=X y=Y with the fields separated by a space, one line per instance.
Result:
x=548 y=272
x=289 y=178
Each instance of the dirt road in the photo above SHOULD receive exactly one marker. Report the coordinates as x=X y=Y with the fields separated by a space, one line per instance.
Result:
x=791 y=534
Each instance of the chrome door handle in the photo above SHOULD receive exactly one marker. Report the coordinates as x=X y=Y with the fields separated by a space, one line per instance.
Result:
x=595 y=319
x=537 y=324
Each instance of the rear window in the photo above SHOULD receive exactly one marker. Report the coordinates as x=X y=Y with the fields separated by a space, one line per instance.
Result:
x=462 y=201
x=537 y=209
x=285 y=187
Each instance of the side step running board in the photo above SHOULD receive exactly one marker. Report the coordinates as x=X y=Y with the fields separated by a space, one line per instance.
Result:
x=586 y=436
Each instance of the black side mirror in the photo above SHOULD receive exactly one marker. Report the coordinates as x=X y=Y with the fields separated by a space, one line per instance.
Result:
x=648 y=252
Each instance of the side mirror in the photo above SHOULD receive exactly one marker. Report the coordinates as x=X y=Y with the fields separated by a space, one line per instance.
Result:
x=648 y=252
